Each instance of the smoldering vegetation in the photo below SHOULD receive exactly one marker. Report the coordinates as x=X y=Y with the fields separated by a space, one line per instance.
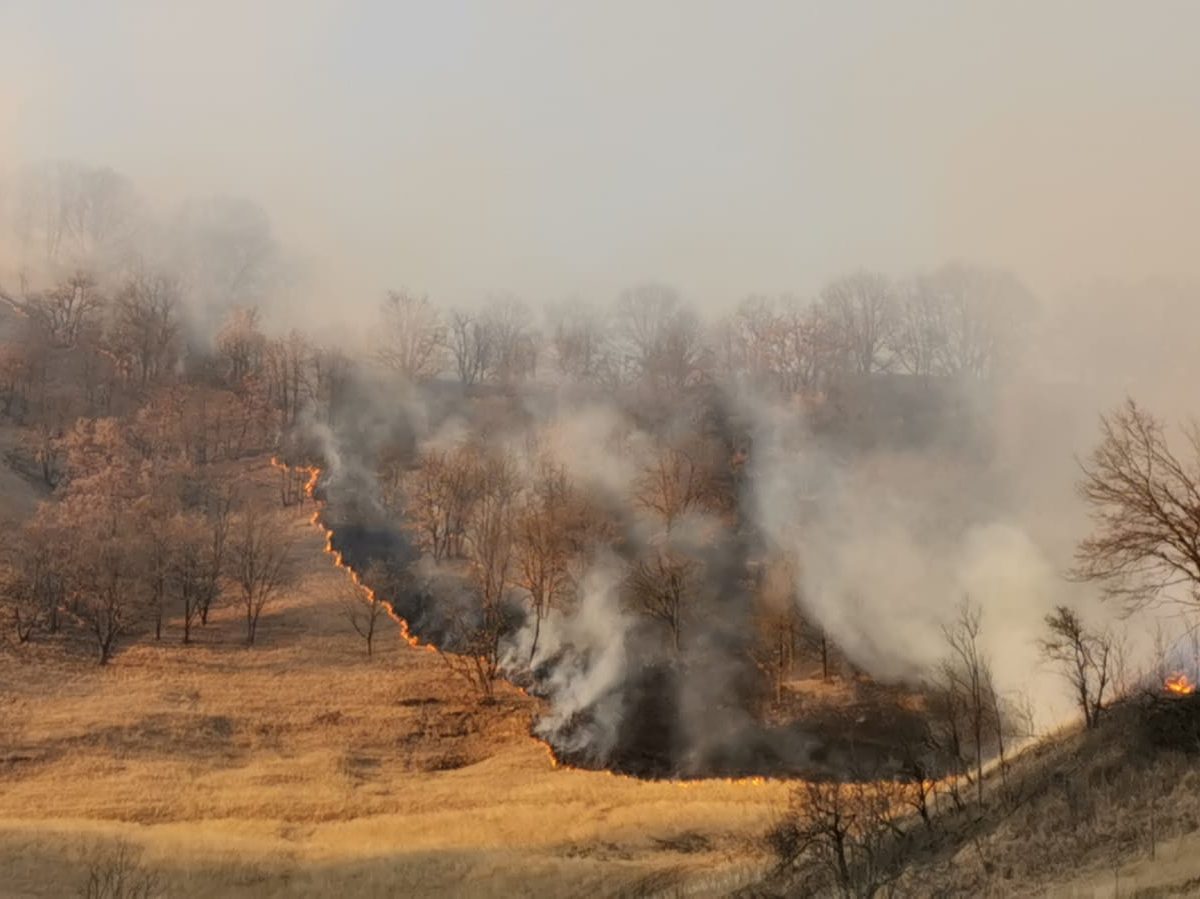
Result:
x=817 y=534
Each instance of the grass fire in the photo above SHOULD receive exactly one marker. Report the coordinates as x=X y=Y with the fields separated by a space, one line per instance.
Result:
x=564 y=450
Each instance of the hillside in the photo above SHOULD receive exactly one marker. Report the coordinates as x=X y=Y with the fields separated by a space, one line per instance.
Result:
x=301 y=767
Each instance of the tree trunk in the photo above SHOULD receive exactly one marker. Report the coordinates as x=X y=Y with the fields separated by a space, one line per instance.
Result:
x=537 y=629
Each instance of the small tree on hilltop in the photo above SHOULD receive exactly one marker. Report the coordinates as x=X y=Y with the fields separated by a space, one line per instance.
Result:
x=1086 y=658
x=1145 y=507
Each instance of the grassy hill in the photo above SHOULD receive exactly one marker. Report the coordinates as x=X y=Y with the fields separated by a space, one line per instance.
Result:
x=303 y=767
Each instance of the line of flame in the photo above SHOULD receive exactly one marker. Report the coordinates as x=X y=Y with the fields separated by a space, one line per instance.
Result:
x=314 y=473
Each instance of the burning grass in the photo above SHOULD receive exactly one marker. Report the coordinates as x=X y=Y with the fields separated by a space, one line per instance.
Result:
x=302 y=765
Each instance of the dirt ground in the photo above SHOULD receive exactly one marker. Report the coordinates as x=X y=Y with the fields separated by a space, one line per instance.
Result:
x=302 y=767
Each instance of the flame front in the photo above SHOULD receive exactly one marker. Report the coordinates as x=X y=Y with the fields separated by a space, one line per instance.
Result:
x=1179 y=684
x=310 y=489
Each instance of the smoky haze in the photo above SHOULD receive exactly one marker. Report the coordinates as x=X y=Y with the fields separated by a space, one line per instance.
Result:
x=555 y=151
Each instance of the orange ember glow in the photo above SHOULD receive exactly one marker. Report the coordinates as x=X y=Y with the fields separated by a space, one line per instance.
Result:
x=1179 y=684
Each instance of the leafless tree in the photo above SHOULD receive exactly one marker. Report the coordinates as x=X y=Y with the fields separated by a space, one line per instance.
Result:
x=1145 y=507
x=843 y=839
x=968 y=691
x=363 y=610
x=662 y=585
x=862 y=307
x=1087 y=659
x=259 y=564
x=753 y=342
x=145 y=330
x=543 y=544
x=290 y=381
x=511 y=340
x=658 y=335
x=156 y=510
x=226 y=254
x=241 y=345
x=446 y=489
x=69 y=214
x=810 y=347
x=581 y=343
x=188 y=575
x=106 y=589
x=412 y=336
x=489 y=551
x=489 y=531
x=674 y=484
x=19 y=599
x=985 y=314
x=919 y=341
x=64 y=311
x=470 y=344
x=776 y=647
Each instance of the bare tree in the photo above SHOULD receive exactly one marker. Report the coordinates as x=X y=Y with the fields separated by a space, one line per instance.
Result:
x=674 y=484
x=863 y=309
x=470 y=344
x=259 y=564
x=156 y=510
x=965 y=682
x=489 y=531
x=658 y=335
x=241 y=345
x=489 y=550
x=1086 y=658
x=105 y=585
x=290 y=385
x=919 y=341
x=662 y=585
x=64 y=311
x=363 y=610
x=778 y=626
x=752 y=342
x=843 y=839
x=69 y=214
x=215 y=521
x=145 y=330
x=19 y=599
x=1145 y=509
x=974 y=318
x=412 y=336
x=511 y=340
x=226 y=254
x=188 y=572
x=543 y=544
x=447 y=487
x=581 y=343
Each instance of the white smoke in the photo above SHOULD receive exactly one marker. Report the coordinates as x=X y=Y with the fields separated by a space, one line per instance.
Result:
x=587 y=649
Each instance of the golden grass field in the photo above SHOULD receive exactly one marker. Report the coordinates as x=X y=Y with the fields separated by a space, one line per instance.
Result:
x=301 y=767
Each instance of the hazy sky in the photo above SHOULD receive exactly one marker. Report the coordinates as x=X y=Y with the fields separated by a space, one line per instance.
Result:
x=565 y=148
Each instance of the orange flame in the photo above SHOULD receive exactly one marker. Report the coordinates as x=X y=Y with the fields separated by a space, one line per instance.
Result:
x=1179 y=684
x=310 y=488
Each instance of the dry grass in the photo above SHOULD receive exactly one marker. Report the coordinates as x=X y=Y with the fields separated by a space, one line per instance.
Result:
x=302 y=767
